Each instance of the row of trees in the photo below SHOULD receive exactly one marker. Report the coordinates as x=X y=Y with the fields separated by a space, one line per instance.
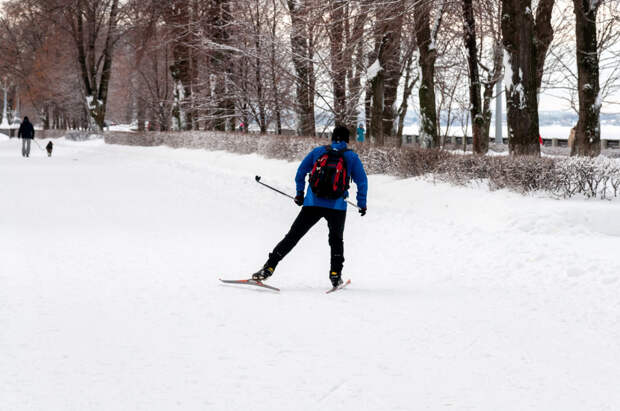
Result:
x=307 y=64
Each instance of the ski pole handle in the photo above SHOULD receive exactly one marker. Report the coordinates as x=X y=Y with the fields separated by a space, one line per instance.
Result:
x=274 y=189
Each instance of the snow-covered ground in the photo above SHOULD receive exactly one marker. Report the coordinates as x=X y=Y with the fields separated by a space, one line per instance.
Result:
x=461 y=298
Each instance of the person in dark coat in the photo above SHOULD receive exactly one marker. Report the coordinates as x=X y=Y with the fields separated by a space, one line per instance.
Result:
x=26 y=133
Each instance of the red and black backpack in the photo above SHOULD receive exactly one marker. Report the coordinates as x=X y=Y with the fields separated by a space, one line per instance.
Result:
x=329 y=178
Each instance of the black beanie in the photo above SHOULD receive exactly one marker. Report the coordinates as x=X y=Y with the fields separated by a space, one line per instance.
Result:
x=340 y=133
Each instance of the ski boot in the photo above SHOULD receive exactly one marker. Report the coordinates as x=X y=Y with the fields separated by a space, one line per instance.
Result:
x=262 y=274
x=336 y=278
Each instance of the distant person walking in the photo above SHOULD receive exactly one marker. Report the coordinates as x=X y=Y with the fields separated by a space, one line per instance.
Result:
x=360 y=133
x=26 y=133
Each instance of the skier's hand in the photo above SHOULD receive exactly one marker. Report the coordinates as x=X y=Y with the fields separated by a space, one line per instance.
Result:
x=362 y=211
x=299 y=198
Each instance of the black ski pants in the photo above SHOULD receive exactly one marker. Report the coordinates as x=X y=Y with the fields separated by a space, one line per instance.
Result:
x=306 y=219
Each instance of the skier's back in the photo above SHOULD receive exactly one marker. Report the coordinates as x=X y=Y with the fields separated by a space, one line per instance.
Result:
x=329 y=168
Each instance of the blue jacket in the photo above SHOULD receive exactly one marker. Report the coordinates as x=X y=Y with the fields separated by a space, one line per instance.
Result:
x=360 y=134
x=355 y=169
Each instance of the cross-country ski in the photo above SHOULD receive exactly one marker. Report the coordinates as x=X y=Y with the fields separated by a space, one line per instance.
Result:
x=338 y=287
x=250 y=282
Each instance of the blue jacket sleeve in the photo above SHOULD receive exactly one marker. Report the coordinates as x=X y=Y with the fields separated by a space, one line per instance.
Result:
x=361 y=181
x=304 y=168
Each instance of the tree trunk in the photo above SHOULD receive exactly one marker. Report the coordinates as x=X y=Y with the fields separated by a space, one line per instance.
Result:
x=311 y=81
x=390 y=61
x=140 y=113
x=520 y=77
x=355 y=63
x=274 y=82
x=85 y=28
x=376 y=123
x=262 y=116
x=480 y=143
x=543 y=37
x=300 y=48
x=178 y=19
x=404 y=105
x=338 y=68
x=46 y=116
x=429 y=137
x=588 y=131
x=368 y=111
x=493 y=77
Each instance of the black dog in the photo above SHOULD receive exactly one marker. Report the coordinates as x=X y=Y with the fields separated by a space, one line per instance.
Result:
x=49 y=147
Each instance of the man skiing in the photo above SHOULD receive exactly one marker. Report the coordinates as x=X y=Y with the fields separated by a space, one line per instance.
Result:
x=329 y=168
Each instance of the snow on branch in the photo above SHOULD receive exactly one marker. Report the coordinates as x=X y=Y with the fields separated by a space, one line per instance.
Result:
x=374 y=70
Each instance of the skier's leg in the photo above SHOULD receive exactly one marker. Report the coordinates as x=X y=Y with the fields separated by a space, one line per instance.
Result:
x=28 y=147
x=335 y=222
x=308 y=216
x=23 y=147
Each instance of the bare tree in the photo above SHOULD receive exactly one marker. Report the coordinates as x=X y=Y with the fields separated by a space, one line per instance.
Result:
x=385 y=67
x=490 y=57
x=480 y=144
x=427 y=45
x=523 y=59
x=409 y=76
x=302 y=52
x=93 y=27
x=588 y=130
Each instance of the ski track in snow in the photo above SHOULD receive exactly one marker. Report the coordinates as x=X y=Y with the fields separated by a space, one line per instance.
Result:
x=460 y=298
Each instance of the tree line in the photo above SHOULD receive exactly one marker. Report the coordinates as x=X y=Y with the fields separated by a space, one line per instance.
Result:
x=308 y=64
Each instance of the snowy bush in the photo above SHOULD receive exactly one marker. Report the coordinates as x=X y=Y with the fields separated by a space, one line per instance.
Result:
x=51 y=133
x=598 y=177
x=522 y=174
x=81 y=135
x=564 y=177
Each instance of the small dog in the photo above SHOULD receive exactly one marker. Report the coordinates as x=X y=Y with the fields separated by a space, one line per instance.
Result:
x=49 y=147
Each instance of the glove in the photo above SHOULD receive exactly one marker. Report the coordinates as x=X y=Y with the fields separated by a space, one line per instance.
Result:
x=362 y=211
x=299 y=198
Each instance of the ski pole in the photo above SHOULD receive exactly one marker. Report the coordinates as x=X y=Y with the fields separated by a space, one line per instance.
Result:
x=274 y=189
x=289 y=196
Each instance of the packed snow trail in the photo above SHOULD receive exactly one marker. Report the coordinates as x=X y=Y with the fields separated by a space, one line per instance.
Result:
x=461 y=298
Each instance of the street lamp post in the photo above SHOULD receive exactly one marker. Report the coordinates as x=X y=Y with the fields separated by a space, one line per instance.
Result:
x=498 y=112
